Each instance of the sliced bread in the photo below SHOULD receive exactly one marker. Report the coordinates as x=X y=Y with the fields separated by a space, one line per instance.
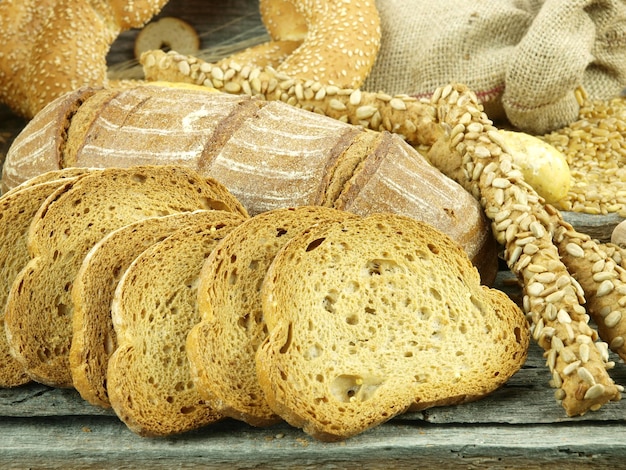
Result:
x=93 y=339
x=17 y=209
x=38 y=316
x=221 y=348
x=371 y=317
x=155 y=305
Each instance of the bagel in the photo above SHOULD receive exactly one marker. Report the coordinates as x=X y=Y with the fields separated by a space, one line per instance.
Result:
x=167 y=33
x=337 y=40
x=51 y=47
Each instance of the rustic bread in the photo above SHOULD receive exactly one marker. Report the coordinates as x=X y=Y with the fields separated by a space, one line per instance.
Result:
x=93 y=337
x=17 y=209
x=371 y=317
x=38 y=316
x=229 y=302
x=268 y=154
x=149 y=380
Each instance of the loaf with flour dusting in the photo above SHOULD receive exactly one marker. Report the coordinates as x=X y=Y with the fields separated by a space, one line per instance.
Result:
x=268 y=154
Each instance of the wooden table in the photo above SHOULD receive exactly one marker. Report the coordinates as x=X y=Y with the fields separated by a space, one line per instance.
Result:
x=520 y=425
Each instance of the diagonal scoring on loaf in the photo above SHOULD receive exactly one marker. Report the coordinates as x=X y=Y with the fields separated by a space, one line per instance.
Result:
x=268 y=154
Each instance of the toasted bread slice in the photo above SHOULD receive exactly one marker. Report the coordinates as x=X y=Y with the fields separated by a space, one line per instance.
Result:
x=38 y=317
x=229 y=300
x=93 y=339
x=17 y=209
x=155 y=305
x=369 y=318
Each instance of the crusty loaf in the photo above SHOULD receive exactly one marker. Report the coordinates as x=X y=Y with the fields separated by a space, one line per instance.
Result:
x=371 y=317
x=17 y=208
x=93 y=338
x=268 y=154
x=222 y=346
x=149 y=380
x=38 y=317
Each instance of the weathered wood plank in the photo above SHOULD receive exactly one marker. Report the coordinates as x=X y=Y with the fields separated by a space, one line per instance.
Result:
x=89 y=443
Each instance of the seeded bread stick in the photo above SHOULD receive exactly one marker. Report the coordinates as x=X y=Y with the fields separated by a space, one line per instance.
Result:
x=461 y=141
x=401 y=114
x=603 y=280
x=523 y=224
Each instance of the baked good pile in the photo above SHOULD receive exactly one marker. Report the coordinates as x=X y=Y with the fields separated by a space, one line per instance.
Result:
x=312 y=69
x=177 y=308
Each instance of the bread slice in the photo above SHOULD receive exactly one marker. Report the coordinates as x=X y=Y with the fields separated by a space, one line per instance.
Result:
x=93 y=339
x=155 y=305
x=38 y=317
x=371 y=317
x=221 y=348
x=17 y=209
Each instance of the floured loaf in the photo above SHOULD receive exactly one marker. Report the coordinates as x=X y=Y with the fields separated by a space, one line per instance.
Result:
x=270 y=155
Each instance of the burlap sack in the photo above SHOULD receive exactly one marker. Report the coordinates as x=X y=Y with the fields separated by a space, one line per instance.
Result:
x=523 y=58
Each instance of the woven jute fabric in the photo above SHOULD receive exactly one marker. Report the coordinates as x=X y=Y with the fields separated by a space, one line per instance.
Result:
x=523 y=58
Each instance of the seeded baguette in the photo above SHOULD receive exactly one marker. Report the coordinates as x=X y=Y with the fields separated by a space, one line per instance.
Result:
x=148 y=377
x=93 y=335
x=268 y=154
x=371 y=317
x=38 y=316
x=229 y=303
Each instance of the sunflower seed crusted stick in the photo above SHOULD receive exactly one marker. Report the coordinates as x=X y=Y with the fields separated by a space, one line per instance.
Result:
x=524 y=226
x=400 y=114
x=602 y=278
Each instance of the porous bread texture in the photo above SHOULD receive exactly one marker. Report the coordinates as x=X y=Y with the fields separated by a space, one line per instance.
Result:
x=93 y=335
x=38 y=316
x=154 y=307
x=222 y=346
x=371 y=317
x=17 y=209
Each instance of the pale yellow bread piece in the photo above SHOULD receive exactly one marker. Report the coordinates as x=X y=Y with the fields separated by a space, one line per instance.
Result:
x=38 y=316
x=17 y=209
x=371 y=317
x=155 y=305
x=93 y=339
x=222 y=346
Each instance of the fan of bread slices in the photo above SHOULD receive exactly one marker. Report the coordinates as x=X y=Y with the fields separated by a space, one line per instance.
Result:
x=178 y=309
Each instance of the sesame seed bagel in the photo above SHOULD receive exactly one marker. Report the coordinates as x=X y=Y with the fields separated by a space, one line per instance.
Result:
x=340 y=40
x=50 y=47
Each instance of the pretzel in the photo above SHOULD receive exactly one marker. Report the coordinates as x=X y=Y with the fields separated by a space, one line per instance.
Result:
x=50 y=47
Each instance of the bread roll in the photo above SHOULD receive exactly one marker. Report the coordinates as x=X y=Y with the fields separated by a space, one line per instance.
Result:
x=268 y=154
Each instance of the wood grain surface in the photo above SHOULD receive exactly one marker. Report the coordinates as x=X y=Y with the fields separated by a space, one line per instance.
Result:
x=520 y=425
